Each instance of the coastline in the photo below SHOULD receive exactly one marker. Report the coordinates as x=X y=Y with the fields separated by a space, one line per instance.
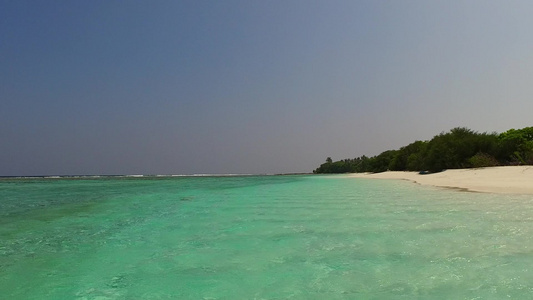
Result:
x=500 y=180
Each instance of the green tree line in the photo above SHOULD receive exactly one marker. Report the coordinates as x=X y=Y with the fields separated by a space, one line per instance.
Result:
x=458 y=148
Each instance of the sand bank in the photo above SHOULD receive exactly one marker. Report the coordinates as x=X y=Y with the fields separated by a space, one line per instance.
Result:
x=503 y=180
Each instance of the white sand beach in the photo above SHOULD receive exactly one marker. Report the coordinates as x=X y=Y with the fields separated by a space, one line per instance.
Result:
x=502 y=180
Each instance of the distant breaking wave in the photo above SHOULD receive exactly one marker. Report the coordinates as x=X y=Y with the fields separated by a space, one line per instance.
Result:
x=127 y=176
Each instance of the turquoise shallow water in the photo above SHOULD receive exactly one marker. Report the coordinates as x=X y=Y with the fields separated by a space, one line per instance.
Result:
x=260 y=237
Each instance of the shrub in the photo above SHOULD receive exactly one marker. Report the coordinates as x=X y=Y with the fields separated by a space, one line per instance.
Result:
x=481 y=160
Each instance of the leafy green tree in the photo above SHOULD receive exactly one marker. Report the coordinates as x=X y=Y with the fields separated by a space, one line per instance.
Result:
x=400 y=162
x=516 y=146
x=453 y=150
x=381 y=162
x=459 y=148
x=415 y=161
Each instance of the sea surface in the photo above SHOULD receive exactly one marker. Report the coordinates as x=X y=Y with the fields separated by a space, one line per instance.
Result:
x=260 y=237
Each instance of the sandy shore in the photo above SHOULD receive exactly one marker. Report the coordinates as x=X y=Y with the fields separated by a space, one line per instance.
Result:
x=502 y=180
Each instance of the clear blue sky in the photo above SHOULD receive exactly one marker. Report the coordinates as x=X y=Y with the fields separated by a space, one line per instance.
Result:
x=181 y=87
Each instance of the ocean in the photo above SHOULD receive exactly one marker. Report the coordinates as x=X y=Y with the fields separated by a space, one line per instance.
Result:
x=260 y=237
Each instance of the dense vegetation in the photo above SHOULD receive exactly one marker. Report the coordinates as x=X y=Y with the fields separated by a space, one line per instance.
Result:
x=458 y=148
